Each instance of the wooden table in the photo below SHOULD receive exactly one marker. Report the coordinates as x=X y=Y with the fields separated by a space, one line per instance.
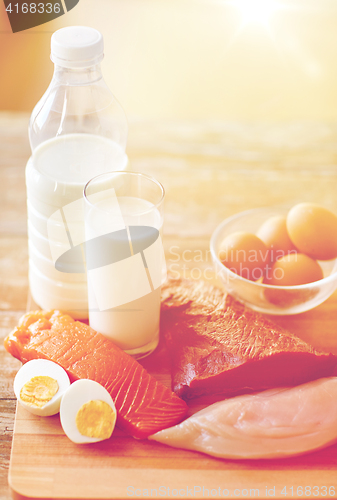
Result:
x=210 y=170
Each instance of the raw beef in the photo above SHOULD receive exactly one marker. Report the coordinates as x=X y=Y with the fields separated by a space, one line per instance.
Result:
x=219 y=346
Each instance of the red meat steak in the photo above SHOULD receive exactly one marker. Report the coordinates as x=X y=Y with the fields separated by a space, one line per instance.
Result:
x=219 y=346
x=143 y=404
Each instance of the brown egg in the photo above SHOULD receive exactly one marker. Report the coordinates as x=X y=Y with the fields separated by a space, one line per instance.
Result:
x=244 y=254
x=289 y=297
x=274 y=234
x=293 y=269
x=313 y=230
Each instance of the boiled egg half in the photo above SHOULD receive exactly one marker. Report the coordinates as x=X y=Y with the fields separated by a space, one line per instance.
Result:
x=87 y=412
x=39 y=386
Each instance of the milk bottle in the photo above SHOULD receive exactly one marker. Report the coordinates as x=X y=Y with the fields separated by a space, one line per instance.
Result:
x=77 y=131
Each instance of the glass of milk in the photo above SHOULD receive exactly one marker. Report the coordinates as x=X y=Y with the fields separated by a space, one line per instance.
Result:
x=125 y=258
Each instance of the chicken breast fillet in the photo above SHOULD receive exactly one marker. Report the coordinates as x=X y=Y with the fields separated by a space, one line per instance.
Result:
x=272 y=424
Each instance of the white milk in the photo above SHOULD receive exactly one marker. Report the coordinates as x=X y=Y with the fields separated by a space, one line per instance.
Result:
x=133 y=324
x=55 y=176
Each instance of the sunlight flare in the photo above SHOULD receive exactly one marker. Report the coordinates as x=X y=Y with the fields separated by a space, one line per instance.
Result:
x=256 y=11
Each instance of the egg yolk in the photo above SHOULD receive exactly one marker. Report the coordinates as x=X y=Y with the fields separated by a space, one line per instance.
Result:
x=38 y=391
x=95 y=419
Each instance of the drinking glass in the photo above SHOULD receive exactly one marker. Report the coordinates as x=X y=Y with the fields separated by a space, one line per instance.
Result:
x=125 y=258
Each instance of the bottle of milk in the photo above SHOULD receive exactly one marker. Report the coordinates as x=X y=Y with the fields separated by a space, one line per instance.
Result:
x=77 y=131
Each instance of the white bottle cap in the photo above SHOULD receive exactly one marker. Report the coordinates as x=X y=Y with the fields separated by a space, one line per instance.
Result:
x=76 y=47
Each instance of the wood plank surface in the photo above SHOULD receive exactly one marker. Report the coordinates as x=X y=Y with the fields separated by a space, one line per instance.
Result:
x=210 y=170
x=120 y=466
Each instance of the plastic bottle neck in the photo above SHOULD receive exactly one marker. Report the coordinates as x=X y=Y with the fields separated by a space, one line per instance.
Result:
x=77 y=76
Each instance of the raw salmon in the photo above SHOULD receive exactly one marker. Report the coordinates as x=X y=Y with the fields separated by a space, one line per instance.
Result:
x=272 y=424
x=219 y=346
x=144 y=405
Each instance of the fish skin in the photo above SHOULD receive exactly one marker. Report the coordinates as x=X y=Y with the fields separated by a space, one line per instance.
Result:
x=277 y=423
x=143 y=404
x=219 y=346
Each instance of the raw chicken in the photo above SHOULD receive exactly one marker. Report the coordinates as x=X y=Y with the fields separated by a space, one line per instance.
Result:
x=271 y=424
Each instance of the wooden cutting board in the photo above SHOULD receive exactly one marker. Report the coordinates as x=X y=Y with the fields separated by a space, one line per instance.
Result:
x=46 y=464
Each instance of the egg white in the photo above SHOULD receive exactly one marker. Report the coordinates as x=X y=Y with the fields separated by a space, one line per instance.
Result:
x=81 y=392
x=42 y=367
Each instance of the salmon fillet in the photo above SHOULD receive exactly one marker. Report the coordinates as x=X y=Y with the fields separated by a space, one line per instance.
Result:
x=143 y=404
x=219 y=346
